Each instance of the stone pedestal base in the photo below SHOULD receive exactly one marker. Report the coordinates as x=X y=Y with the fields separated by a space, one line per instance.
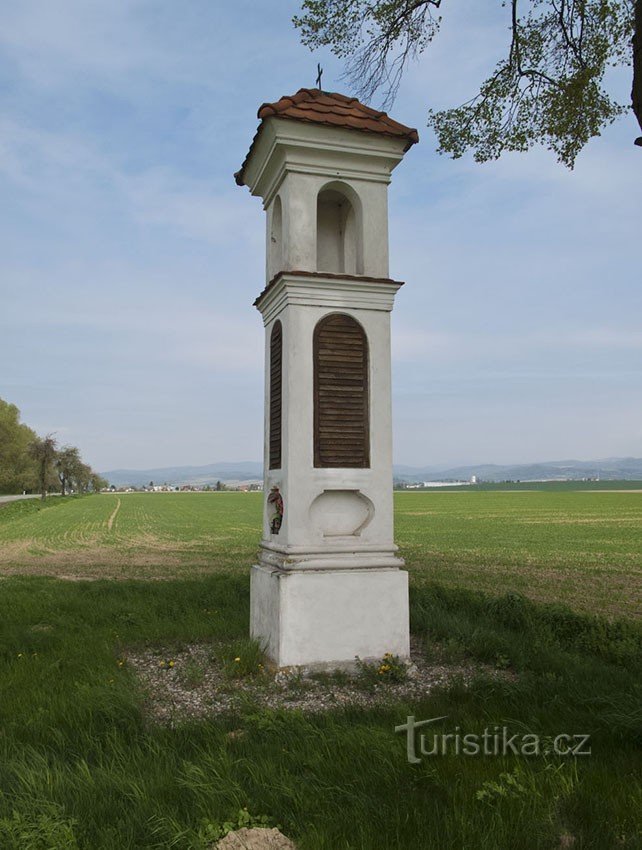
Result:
x=326 y=617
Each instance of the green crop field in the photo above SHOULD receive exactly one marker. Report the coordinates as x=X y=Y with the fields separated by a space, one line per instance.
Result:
x=83 y=765
x=581 y=548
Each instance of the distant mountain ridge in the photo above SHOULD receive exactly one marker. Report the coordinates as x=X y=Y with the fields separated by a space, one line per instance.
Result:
x=177 y=475
x=624 y=468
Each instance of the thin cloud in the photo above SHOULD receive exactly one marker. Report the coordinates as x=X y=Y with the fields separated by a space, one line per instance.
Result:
x=129 y=259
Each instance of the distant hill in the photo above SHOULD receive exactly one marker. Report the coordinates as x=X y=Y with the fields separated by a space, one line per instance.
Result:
x=177 y=475
x=616 y=468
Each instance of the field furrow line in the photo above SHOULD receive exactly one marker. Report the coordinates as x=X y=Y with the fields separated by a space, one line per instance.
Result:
x=111 y=519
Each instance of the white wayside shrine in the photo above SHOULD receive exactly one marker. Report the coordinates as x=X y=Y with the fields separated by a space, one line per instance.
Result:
x=329 y=585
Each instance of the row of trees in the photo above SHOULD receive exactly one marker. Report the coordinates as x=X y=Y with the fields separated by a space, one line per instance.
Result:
x=29 y=463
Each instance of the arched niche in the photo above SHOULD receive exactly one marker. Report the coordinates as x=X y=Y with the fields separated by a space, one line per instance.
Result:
x=339 y=230
x=275 y=240
x=341 y=393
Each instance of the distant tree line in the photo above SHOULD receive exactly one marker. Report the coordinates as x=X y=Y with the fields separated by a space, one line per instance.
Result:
x=29 y=463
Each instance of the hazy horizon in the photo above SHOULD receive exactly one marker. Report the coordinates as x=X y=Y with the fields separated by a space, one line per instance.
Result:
x=414 y=465
x=129 y=258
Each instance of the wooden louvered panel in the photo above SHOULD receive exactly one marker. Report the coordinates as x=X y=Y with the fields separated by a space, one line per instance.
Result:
x=341 y=420
x=276 y=395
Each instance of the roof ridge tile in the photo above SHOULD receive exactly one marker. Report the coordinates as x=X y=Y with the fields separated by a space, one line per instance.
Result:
x=334 y=110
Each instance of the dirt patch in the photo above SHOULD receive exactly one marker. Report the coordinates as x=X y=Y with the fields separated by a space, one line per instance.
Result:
x=145 y=556
x=192 y=684
x=75 y=566
x=255 y=839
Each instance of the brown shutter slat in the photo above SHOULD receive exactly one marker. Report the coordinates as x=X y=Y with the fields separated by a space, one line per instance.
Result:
x=341 y=406
x=276 y=366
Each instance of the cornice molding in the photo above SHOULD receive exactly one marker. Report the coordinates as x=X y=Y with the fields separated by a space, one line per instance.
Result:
x=320 y=289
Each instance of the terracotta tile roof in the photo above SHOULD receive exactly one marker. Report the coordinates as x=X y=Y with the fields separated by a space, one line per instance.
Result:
x=334 y=110
x=331 y=275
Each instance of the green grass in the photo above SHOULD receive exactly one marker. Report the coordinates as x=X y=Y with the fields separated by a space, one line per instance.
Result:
x=584 y=549
x=82 y=767
x=152 y=535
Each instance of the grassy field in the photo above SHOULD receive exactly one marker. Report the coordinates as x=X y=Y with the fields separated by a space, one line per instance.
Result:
x=584 y=549
x=82 y=766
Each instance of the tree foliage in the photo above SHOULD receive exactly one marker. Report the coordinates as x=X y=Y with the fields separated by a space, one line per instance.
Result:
x=43 y=452
x=66 y=462
x=17 y=469
x=29 y=462
x=98 y=483
x=548 y=88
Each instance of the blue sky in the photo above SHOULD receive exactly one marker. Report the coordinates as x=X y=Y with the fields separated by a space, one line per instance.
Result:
x=129 y=259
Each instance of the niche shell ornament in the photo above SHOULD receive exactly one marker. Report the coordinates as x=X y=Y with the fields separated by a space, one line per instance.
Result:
x=341 y=513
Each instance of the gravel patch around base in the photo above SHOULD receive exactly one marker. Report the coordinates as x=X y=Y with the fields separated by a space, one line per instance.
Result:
x=192 y=683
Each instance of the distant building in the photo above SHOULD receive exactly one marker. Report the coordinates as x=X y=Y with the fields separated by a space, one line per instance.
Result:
x=430 y=484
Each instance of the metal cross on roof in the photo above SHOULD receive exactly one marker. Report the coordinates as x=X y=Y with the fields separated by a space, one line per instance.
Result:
x=319 y=74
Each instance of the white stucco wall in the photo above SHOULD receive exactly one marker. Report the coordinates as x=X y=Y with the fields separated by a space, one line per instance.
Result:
x=304 y=540
x=296 y=161
x=328 y=585
x=327 y=617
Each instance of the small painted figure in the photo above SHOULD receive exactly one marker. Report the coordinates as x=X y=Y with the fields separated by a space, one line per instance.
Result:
x=276 y=500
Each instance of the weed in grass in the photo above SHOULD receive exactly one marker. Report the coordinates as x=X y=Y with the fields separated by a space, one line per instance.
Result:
x=242 y=658
x=508 y=785
x=40 y=826
x=192 y=673
x=211 y=831
x=390 y=668
x=295 y=681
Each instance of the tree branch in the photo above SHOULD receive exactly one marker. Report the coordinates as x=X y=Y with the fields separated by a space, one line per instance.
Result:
x=515 y=51
x=570 y=43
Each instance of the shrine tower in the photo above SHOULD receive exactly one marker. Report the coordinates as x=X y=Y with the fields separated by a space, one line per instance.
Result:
x=329 y=585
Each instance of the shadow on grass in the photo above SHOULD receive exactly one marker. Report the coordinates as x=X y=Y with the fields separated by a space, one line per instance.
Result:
x=80 y=767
